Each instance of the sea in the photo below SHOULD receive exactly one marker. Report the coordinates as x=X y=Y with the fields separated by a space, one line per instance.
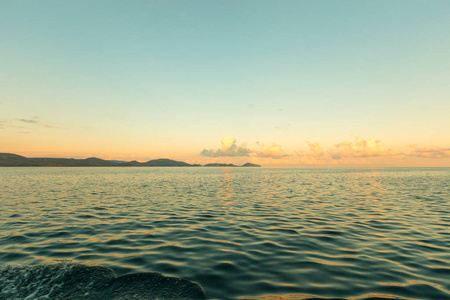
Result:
x=240 y=233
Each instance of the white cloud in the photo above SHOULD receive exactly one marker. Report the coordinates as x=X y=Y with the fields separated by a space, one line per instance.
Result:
x=274 y=151
x=316 y=150
x=344 y=152
x=361 y=148
x=230 y=148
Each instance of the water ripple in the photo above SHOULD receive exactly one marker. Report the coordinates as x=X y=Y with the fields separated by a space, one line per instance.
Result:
x=240 y=233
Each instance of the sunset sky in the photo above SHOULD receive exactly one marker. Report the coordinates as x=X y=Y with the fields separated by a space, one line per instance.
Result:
x=280 y=83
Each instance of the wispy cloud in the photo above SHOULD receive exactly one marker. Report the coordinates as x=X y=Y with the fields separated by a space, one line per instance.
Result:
x=361 y=148
x=31 y=121
x=52 y=126
x=430 y=152
x=6 y=124
x=230 y=148
x=22 y=125
x=284 y=126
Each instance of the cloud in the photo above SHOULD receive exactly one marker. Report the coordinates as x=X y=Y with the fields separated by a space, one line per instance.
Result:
x=361 y=148
x=31 y=123
x=28 y=120
x=51 y=126
x=432 y=152
x=284 y=126
x=229 y=148
x=274 y=151
x=315 y=156
x=316 y=150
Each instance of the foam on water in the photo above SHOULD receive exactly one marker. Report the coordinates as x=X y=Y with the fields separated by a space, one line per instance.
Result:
x=78 y=281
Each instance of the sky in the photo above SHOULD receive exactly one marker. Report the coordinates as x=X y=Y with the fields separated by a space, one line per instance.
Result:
x=279 y=83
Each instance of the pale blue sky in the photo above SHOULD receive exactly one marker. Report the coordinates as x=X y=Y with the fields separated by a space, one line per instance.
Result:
x=178 y=76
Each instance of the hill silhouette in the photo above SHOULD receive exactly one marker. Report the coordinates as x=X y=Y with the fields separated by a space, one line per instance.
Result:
x=14 y=160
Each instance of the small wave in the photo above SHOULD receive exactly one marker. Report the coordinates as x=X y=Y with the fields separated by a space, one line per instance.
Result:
x=78 y=281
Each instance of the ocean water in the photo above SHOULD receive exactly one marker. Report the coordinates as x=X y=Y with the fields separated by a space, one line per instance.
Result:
x=241 y=233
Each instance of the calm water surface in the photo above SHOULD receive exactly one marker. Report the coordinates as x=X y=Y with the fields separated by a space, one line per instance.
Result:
x=241 y=233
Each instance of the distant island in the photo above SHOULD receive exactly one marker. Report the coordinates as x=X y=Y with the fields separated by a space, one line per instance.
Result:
x=231 y=165
x=14 y=160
